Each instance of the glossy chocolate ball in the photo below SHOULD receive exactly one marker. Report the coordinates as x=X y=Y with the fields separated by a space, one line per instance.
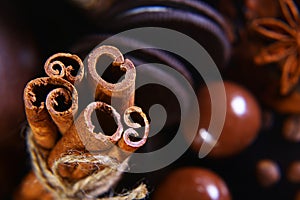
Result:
x=192 y=183
x=242 y=119
x=267 y=172
x=291 y=128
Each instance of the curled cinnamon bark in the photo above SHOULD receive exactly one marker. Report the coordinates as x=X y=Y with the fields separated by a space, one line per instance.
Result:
x=100 y=141
x=62 y=106
x=120 y=94
x=65 y=65
x=134 y=118
x=82 y=137
x=131 y=139
x=36 y=93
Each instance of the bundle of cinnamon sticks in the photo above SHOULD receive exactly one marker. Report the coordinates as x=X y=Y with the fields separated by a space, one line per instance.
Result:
x=81 y=156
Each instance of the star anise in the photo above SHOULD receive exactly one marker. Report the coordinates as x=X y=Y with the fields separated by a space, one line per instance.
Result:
x=286 y=47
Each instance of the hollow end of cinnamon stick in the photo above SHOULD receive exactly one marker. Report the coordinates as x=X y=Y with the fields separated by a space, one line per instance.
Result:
x=132 y=138
x=62 y=105
x=103 y=127
x=65 y=65
x=84 y=137
x=116 y=86
x=36 y=92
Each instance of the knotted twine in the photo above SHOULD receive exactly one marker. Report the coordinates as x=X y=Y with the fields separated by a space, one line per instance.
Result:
x=88 y=188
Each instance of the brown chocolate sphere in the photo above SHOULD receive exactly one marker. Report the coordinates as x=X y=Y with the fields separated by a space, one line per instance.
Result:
x=267 y=172
x=192 y=183
x=242 y=119
x=291 y=128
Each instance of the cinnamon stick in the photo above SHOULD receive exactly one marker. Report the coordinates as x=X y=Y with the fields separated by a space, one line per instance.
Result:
x=131 y=139
x=127 y=142
x=62 y=106
x=65 y=65
x=36 y=93
x=120 y=94
x=81 y=137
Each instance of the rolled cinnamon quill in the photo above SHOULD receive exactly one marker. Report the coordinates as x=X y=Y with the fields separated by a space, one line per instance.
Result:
x=82 y=138
x=62 y=105
x=132 y=139
x=120 y=94
x=55 y=95
x=65 y=65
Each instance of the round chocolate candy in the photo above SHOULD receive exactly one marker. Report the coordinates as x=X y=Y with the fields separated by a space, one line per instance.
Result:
x=242 y=119
x=291 y=128
x=192 y=183
x=268 y=173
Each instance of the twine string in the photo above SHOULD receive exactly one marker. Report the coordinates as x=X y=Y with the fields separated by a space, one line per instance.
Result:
x=87 y=188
